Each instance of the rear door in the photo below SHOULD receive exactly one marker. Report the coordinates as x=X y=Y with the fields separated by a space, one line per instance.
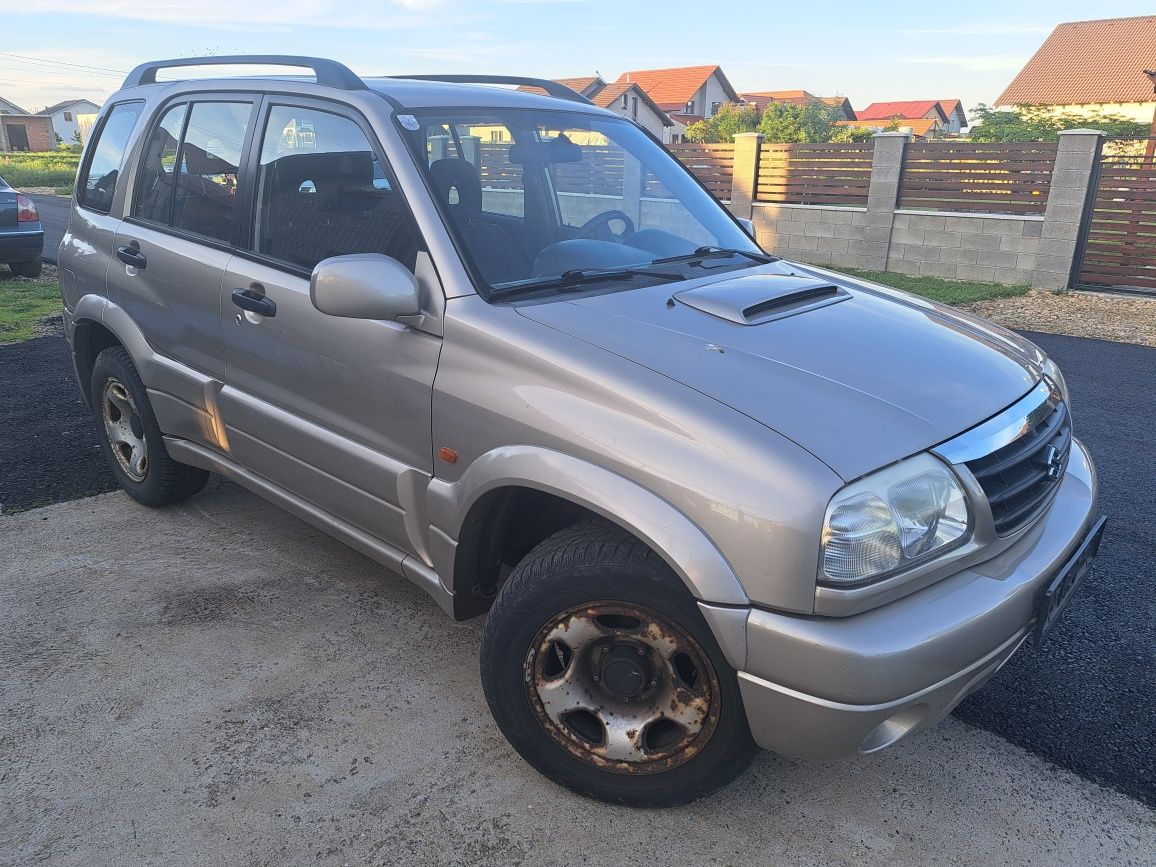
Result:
x=172 y=249
x=336 y=410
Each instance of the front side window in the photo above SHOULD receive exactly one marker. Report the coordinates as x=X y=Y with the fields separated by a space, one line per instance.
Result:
x=566 y=192
x=99 y=179
x=323 y=191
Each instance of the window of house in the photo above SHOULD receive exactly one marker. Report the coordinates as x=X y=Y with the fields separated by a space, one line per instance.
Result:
x=98 y=179
x=327 y=193
x=690 y=107
x=68 y=116
x=634 y=107
x=625 y=100
x=714 y=107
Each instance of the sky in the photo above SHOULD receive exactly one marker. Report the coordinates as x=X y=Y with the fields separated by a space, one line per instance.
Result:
x=67 y=49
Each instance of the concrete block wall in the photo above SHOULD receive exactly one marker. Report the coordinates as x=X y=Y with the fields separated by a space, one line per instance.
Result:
x=1038 y=250
x=988 y=248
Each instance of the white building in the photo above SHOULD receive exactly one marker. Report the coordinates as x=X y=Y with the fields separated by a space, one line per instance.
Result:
x=685 y=93
x=64 y=117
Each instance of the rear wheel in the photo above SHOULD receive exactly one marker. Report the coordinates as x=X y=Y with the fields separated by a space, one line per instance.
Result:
x=602 y=673
x=130 y=437
x=26 y=269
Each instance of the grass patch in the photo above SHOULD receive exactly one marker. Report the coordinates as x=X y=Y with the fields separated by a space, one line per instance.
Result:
x=48 y=169
x=23 y=304
x=937 y=289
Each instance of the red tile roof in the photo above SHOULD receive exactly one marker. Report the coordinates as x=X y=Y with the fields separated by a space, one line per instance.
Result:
x=792 y=96
x=1088 y=62
x=909 y=110
x=582 y=83
x=919 y=126
x=673 y=88
x=610 y=93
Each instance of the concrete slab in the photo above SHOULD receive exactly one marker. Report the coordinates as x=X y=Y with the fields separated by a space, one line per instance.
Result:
x=219 y=683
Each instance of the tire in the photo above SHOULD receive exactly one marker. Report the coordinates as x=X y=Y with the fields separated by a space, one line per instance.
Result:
x=26 y=269
x=130 y=437
x=562 y=632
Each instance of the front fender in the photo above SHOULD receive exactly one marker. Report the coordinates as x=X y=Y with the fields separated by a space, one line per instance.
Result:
x=673 y=536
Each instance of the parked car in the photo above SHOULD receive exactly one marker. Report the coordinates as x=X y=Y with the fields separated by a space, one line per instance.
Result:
x=505 y=344
x=21 y=235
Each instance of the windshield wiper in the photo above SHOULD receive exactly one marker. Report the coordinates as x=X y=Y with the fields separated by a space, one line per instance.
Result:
x=576 y=278
x=716 y=253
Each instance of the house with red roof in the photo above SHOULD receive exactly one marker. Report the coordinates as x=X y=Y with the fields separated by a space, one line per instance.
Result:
x=947 y=114
x=762 y=98
x=1090 y=67
x=626 y=99
x=686 y=93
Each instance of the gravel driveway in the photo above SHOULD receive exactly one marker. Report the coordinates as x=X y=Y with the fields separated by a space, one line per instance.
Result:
x=1084 y=702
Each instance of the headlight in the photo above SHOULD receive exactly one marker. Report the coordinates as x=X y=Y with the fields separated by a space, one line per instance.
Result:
x=891 y=520
x=1052 y=372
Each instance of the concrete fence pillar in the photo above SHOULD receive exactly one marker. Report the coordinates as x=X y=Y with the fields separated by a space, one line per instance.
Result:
x=882 y=196
x=1073 y=176
x=745 y=177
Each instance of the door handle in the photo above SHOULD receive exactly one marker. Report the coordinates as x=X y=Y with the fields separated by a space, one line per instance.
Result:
x=132 y=256
x=254 y=302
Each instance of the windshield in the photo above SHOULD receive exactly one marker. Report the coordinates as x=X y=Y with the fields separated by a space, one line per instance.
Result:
x=541 y=201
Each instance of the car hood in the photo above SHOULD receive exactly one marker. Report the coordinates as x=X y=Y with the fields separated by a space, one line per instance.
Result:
x=860 y=383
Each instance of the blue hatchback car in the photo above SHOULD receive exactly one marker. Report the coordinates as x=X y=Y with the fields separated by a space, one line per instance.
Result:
x=21 y=234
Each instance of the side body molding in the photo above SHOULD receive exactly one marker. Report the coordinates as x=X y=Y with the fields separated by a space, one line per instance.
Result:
x=678 y=540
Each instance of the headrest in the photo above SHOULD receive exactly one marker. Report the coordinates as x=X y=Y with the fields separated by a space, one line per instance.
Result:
x=555 y=150
x=459 y=175
x=324 y=169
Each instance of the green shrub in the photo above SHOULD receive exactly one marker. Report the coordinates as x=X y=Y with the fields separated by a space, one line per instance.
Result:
x=50 y=169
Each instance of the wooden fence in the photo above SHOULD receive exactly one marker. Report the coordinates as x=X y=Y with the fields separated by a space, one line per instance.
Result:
x=977 y=177
x=1120 y=241
x=712 y=164
x=815 y=174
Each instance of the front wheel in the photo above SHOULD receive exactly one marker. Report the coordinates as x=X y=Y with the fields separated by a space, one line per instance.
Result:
x=603 y=675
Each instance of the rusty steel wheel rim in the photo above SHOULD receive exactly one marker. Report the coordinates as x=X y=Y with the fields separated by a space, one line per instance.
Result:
x=622 y=688
x=124 y=429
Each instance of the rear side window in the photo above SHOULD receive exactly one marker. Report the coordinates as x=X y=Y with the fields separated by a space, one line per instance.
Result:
x=323 y=191
x=206 y=188
x=153 y=199
x=101 y=172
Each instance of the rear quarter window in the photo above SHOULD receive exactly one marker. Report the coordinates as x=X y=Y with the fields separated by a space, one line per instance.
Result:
x=102 y=167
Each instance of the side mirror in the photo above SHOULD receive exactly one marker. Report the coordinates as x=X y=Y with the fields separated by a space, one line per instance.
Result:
x=748 y=226
x=364 y=286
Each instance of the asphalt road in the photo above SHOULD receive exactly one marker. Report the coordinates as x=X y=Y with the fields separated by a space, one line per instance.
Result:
x=53 y=212
x=1083 y=701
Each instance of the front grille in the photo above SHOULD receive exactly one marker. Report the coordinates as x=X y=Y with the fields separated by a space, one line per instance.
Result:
x=1019 y=477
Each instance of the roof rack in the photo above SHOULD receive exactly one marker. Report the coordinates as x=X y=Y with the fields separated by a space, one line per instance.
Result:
x=559 y=91
x=329 y=72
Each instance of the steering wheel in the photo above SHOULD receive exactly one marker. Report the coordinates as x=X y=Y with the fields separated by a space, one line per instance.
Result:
x=598 y=226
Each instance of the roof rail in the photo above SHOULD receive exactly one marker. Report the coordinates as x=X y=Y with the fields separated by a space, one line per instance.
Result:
x=329 y=72
x=559 y=91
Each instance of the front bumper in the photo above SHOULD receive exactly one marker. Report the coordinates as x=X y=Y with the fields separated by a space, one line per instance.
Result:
x=829 y=688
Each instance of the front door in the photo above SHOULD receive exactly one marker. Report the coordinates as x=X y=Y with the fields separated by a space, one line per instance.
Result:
x=337 y=411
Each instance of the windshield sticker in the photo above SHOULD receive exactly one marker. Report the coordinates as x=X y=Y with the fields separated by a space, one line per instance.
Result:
x=409 y=122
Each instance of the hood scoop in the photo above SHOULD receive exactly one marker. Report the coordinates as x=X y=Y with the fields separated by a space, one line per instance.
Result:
x=757 y=298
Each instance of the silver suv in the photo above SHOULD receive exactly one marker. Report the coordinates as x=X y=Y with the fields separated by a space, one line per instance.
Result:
x=501 y=342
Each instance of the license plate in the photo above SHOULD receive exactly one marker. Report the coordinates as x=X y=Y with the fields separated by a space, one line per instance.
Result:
x=1058 y=593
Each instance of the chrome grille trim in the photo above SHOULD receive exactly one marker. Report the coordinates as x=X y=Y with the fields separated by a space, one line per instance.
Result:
x=1017 y=457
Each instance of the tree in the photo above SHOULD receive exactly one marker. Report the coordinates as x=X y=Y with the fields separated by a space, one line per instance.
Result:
x=1039 y=123
x=778 y=122
x=729 y=120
